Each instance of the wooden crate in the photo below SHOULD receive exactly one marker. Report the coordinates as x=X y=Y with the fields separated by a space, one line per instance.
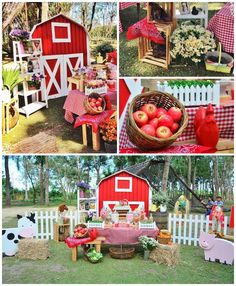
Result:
x=61 y=232
x=145 y=51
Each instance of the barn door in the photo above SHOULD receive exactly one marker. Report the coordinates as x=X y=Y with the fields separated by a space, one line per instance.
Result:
x=57 y=69
x=73 y=61
x=53 y=71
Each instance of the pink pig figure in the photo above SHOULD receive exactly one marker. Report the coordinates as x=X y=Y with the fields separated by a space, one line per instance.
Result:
x=216 y=248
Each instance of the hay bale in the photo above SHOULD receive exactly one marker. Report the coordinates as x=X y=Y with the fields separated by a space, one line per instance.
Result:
x=166 y=254
x=30 y=248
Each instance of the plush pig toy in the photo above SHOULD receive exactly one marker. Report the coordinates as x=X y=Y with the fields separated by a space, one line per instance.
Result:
x=216 y=248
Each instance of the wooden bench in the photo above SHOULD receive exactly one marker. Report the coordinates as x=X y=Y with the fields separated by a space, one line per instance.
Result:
x=97 y=243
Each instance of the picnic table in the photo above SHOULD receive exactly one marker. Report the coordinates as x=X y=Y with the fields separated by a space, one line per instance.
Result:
x=222 y=25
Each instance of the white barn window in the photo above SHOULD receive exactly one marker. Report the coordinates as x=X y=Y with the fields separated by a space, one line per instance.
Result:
x=123 y=184
x=61 y=32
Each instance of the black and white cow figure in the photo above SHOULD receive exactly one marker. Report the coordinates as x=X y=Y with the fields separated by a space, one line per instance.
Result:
x=11 y=236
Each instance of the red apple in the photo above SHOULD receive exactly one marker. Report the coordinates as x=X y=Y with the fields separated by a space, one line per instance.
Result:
x=99 y=108
x=174 y=127
x=95 y=108
x=154 y=122
x=92 y=104
x=89 y=99
x=175 y=113
x=160 y=111
x=148 y=129
x=163 y=132
x=150 y=109
x=98 y=103
x=99 y=99
x=165 y=120
x=140 y=118
x=93 y=100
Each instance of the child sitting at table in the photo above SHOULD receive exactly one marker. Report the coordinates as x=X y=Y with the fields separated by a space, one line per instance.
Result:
x=208 y=205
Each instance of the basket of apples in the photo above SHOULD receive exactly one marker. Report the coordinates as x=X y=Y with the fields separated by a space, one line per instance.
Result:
x=155 y=120
x=80 y=231
x=94 y=103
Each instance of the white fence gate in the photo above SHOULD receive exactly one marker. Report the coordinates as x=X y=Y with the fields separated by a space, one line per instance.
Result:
x=194 y=95
x=186 y=229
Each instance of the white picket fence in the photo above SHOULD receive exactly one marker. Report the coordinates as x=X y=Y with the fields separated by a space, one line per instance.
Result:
x=184 y=229
x=46 y=219
x=194 y=95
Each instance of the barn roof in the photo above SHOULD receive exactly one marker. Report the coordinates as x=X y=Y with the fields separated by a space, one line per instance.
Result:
x=131 y=173
x=138 y=168
x=37 y=25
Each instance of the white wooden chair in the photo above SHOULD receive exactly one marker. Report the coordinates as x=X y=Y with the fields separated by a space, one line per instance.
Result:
x=19 y=52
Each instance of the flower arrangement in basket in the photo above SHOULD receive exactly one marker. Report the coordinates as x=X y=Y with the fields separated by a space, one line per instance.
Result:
x=108 y=130
x=191 y=42
x=147 y=243
x=94 y=103
x=155 y=120
x=81 y=231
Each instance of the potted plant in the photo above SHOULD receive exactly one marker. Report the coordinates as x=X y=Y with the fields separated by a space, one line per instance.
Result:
x=108 y=129
x=10 y=79
x=84 y=189
x=35 y=81
x=161 y=199
x=148 y=244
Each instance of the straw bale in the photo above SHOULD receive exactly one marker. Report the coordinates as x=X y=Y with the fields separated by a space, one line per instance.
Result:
x=30 y=248
x=166 y=254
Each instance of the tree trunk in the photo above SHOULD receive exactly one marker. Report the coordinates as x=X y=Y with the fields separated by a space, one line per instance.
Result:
x=166 y=173
x=41 y=178
x=8 y=191
x=12 y=15
x=44 y=15
x=189 y=176
x=92 y=17
x=216 y=175
x=25 y=178
x=46 y=182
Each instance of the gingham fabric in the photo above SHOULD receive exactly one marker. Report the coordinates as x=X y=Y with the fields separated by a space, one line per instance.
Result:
x=222 y=25
x=224 y=117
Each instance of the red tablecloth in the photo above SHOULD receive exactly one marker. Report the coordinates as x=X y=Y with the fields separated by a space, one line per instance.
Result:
x=93 y=120
x=74 y=103
x=231 y=220
x=144 y=29
x=125 y=235
x=222 y=25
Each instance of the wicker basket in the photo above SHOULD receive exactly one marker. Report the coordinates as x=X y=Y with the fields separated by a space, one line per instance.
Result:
x=80 y=235
x=122 y=253
x=218 y=66
x=159 y=99
x=89 y=108
x=164 y=240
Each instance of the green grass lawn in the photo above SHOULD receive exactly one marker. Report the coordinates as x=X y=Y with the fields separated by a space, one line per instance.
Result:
x=59 y=269
x=131 y=66
x=51 y=121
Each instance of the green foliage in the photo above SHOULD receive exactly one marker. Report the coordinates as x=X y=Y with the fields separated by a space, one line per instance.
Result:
x=160 y=198
x=104 y=49
x=147 y=243
x=11 y=77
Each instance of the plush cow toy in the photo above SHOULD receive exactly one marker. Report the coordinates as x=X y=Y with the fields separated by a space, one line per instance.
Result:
x=11 y=236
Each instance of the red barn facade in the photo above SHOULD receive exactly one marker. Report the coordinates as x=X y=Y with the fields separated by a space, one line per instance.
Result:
x=65 y=46
x=124 y=185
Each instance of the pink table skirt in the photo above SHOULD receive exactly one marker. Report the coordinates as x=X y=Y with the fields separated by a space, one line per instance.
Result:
x=74 y=103
x=125 y=235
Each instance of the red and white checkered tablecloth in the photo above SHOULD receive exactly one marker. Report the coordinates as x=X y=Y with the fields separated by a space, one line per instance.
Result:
x=224 y=117
x=222 y=25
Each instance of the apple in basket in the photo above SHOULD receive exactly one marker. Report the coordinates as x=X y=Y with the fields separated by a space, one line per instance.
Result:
x=140 y=117
x=150 y=109
x=160 y=111
x=165 y=120
x=163 y=132
x=175 y=113
x=148 y=129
